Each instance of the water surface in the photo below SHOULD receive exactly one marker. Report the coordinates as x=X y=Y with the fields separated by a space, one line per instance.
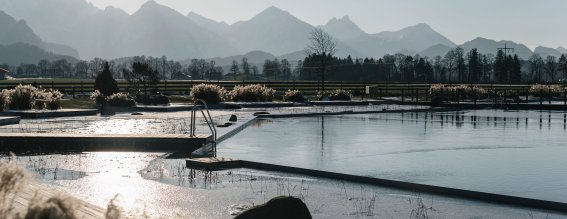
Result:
x=520 y=153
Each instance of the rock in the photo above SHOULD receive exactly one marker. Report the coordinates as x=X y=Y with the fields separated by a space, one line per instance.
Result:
x=233 y=118
x=224 y=125
x=278 y=207
x=137 y=114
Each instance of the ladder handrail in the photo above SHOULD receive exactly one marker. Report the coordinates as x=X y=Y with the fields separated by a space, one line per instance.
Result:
x=208 y=118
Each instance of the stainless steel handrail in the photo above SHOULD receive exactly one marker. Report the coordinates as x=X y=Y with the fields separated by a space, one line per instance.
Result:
x=208 y=118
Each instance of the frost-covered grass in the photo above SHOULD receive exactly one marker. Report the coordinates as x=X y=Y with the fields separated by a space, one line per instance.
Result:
x=252 y=93
x=26 y=97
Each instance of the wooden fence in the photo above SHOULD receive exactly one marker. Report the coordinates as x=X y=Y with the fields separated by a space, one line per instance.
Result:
x=409 y=92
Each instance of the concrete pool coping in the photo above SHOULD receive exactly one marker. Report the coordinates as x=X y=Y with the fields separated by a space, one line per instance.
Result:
x=348 y=112
x=50 y=142
x=220 y=163
x=34 y=114
x=9 y=120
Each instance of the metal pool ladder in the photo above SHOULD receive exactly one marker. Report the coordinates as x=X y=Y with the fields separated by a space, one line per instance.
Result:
x=212 y=144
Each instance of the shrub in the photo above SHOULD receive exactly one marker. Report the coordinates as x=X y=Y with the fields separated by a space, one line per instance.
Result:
x=121 y=100
x=48 y=99
x=22 y=97
x=252 y=93
x=4 y=99
x=335 y=95
x=440 y=92
x=159 y=100
x=545 y=90
x=210 y=93
x=97 y=97
x=294 y=96
x=470 y=91
x=152 y=100
x=340 y=95
x=26 y=97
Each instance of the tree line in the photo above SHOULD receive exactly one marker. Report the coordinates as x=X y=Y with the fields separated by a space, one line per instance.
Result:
x=456 y=66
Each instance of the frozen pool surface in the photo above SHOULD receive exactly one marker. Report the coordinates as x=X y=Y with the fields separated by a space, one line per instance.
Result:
x=520 y=153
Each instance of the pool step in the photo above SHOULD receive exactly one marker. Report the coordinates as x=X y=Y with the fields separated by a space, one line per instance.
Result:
x=213 y=163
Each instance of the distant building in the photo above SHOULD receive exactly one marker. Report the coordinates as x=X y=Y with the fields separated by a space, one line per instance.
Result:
x=3 y=73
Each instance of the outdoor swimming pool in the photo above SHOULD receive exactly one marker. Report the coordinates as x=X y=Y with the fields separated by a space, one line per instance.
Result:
x=519 y=153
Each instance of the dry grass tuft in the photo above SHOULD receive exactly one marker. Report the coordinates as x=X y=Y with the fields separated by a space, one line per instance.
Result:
x=57 y=207
x=113 y=210
x=12 y=179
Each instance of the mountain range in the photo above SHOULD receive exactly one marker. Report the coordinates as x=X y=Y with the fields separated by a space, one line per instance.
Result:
x=78 y=29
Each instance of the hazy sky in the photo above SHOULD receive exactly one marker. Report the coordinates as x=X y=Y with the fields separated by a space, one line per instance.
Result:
x=530 y=22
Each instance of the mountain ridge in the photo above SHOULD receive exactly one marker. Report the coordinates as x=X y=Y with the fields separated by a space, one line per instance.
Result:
x=158 y=30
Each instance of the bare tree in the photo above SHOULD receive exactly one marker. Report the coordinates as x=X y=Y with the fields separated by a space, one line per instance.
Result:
x=322 y=45
x=551 y=67
x=536 y=66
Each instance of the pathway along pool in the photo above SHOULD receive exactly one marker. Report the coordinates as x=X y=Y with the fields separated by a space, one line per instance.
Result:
x=519 y=153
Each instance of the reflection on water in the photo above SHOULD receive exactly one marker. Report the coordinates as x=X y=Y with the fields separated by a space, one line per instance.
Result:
x=455 y=149
x=146 y=183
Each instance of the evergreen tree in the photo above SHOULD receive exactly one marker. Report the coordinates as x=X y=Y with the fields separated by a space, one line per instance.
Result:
x=461 y=66
x=285 y=69
x=420 y=70
x=536 y=67
x=105 y=83
x=516 y=70
x=500 y=71
x=245 y=68
x=563 y=66
x=234 y=69
x=474 y=67
x=551 y=67
x=255 y=72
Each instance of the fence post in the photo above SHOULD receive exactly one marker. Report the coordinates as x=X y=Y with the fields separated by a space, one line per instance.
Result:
x=363 y=89
x=164 y=86
x=53 y=85
x=549 y=94
x=73 y=92
x=527 y=93
x=417 y=95
x=474 y=97
x=403 y=91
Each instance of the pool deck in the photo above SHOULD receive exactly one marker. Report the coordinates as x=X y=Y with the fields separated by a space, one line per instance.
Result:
x=83 y=209
x=216 y=163
x=49 y=142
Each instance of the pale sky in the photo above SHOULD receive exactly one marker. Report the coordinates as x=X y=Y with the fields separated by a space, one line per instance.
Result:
x=529 y=22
